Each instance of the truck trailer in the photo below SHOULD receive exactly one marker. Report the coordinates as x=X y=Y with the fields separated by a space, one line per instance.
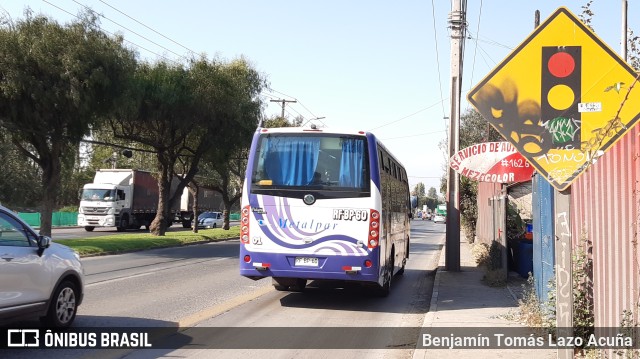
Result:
x=128 y=199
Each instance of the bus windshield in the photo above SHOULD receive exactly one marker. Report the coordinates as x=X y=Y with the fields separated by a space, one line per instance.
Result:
x=320 y=161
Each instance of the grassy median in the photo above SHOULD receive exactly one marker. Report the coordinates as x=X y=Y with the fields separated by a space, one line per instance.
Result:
x=127 y=242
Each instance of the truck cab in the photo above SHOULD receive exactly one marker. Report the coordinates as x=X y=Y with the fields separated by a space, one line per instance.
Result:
x=101 y=205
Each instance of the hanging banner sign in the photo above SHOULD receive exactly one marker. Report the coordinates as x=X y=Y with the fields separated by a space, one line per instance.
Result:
x=492 y=162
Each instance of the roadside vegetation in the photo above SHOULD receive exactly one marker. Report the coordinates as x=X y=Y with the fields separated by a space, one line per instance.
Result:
x=129 y=242
x=74 y=98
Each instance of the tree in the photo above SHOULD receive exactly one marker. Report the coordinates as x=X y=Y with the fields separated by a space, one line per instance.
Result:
x=418 y=190
x=432 y=193
x=228 y=159
x=185 y=114
x=160 y=114
x=24 y=176
x=57 y=81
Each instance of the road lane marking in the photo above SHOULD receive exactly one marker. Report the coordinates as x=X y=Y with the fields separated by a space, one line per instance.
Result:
x=226 y=306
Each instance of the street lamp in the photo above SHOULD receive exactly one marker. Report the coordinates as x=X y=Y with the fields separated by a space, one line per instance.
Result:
x=315 y=118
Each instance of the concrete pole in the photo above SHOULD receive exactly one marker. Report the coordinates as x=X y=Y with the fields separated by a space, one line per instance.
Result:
x=457 y=24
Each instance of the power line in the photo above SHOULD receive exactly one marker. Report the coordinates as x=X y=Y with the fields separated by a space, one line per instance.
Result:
x=175 y=42
x=475 y=50
x=405 y=117
x=112 y=34
x=420 y=134
x=435 y=39
x=126 y=28
x=305 y=107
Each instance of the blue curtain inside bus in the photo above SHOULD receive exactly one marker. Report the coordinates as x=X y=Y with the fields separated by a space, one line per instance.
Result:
x=352 y=163
x=292 y=161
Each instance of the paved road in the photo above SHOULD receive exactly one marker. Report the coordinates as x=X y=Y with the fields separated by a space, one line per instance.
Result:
x=199 y=287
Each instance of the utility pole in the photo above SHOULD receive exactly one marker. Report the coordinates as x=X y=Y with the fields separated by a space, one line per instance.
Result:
x=283 y=104
x=623 y=43
x=457 y=24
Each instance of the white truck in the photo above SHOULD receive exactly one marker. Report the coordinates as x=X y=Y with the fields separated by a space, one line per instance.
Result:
x=128 y=199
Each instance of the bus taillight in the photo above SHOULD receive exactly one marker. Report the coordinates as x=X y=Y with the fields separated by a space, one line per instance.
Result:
x=244 y=221
x=374 y=225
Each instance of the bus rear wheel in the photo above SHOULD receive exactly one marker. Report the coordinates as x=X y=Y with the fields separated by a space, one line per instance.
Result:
x=385 y=288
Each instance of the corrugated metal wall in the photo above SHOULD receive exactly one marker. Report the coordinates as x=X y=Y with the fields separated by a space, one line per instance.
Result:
x=484 y=225
x=604 y=204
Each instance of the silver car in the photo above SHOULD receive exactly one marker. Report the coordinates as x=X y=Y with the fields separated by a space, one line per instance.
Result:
x=210 y=220
x=38 y=278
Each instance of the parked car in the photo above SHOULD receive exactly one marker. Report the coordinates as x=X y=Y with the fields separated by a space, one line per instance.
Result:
x=38 y=278
x=439 y=218
x=210 y=220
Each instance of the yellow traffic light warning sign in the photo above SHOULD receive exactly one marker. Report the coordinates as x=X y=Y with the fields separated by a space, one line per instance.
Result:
x=562 y=98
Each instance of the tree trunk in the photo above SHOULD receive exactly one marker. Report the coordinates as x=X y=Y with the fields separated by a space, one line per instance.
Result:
x=50 y=186
x=159 y=224
x=193 y=190
x=225 y=214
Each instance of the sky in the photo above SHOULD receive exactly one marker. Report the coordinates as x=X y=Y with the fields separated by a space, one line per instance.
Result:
x=371 y=65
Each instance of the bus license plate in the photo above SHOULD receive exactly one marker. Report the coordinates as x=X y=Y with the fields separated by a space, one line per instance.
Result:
x=306 y=262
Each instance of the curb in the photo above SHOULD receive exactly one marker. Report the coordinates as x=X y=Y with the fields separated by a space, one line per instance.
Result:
x=418 y=352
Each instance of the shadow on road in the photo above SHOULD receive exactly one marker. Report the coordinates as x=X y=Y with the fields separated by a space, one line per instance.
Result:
x=344 y=296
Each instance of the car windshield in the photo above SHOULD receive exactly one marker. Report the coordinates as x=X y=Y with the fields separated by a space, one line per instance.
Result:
x=206 y=215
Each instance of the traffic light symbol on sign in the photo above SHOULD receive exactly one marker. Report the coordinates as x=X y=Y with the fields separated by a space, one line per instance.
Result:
x=561 y=93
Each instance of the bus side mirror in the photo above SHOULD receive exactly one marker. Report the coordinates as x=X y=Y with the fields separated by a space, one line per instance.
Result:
x=410 y=215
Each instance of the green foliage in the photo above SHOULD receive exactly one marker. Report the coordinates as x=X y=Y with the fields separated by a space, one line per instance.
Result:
x=468 y=207
x=536 y=314
x=633 y=50
x=583 y=315
x=490 y=257
x=22 y=188
x=57 y=81
x=516 y=227
x=278 y=121
x=587 y=14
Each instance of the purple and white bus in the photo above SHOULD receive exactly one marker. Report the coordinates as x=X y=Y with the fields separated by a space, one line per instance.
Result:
x=319 y=204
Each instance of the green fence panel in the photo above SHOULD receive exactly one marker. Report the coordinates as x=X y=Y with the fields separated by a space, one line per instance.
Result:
x=64 y=219
x=57 y=219
x=234 y=216
x=32 y=219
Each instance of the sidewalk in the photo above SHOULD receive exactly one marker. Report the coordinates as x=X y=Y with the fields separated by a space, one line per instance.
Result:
x=462 y=300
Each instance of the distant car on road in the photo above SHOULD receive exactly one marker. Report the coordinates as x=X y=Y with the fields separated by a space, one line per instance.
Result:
x=38 y=278
x=439 y=218
x=210 y=220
